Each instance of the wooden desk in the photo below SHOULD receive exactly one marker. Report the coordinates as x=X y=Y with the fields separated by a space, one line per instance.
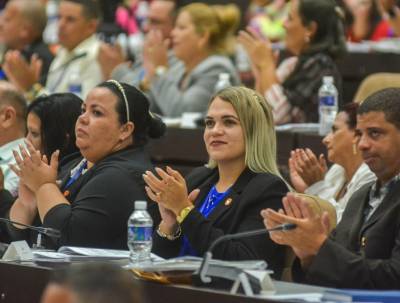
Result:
x=25 y=284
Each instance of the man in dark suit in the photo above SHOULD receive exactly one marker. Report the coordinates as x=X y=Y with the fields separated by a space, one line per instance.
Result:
x=364 y=250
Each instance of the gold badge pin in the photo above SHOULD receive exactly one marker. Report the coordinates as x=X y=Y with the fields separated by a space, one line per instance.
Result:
x=228 y=201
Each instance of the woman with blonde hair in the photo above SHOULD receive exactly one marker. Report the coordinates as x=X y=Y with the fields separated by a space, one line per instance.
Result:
x=227 y=196
x=202 y=40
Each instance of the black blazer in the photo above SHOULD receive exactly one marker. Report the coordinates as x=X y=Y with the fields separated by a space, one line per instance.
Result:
x=101 y=201
x=240 y=211
x=357 y=254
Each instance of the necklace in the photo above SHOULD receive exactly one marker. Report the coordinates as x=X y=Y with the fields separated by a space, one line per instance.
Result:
x=212 y=200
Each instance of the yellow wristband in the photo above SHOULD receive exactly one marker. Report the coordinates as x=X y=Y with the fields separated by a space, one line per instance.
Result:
x=183 y=214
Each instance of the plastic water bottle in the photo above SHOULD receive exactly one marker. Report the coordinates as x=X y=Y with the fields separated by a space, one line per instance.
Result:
x=223 y=82
x=75 y=84
x=140 y=230
x=328 y=105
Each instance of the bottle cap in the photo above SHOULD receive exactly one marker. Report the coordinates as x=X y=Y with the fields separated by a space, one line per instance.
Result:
x=327 y=79
x=223 y=76
x=140 y=205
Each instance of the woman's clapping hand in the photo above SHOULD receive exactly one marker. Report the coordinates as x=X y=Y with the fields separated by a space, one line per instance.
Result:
x=169 y=189
x=34 y=169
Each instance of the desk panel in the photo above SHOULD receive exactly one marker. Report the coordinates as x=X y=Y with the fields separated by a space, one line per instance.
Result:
x=25 y=284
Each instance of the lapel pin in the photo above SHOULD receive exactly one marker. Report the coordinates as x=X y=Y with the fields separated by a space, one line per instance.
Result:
x=228 y=201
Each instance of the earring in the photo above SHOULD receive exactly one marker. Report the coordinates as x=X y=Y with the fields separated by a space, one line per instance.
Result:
x=354 y=149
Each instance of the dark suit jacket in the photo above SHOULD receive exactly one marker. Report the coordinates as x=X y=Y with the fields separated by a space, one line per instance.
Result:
x=249 y=195
x=101 y=201
x=358 y=255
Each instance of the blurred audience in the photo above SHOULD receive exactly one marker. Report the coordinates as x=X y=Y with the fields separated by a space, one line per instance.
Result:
x=23 y=23
x=203 y=40
x=76 y=60
x=92 y=283
x=112 y=60
x=364 y=21
x=111 y=132
x=267 y=17
x=349 y=173
x=125 y=16
x=314 y=34
x=391 y=12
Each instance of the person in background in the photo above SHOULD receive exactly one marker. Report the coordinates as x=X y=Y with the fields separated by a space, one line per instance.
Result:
x=363 y=251
x=391 y=11
x=349 y=173
x=203 y=40
x=125 y=17
x=12 y=131
x=95 y=197
x=50 y=123
x=227 y=196
x=23 y=23
x=92 y=283
x=160 y=22
x=267 y=18
x=315 y=35
x=364 y=21
x=75 y=61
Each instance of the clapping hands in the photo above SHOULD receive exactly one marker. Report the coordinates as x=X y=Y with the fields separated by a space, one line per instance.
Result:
x=21 y=73
x=312 y=228
x=169 y=190
x=306 y=169
x=33 y=169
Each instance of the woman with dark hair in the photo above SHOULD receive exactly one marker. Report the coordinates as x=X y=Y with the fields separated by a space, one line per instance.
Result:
x=348 y=174
x=315 y=35
x=364 y=21
x=51 y=123
x=92 y=205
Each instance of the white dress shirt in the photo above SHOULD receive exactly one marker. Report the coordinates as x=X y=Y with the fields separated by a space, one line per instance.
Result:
x=11 y=180
x=82 y=60
x=334 y=180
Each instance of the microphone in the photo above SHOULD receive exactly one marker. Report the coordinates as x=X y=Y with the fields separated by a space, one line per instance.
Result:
x=208 y=254
x=48 y=231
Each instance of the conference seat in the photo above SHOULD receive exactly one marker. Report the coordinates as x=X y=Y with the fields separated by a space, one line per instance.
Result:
x=374 y=83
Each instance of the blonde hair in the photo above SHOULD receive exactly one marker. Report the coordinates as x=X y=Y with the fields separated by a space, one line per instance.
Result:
x=219 y=21
x=255 y=116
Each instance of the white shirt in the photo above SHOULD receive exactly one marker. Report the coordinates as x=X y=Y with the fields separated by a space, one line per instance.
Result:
x=11 y=180
x=82 y=60
x=333 y=182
